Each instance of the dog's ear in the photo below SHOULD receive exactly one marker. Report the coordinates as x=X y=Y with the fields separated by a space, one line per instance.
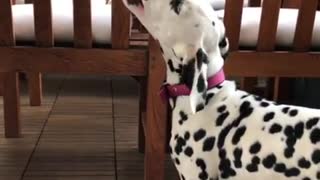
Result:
x=195 y=77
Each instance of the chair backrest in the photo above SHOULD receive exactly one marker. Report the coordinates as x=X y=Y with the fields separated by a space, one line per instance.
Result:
x=121 y=24
x=269 y=22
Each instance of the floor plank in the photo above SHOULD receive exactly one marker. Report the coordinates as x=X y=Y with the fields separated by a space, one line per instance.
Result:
x=78 y=138
x=129 y=160
x=15 y=153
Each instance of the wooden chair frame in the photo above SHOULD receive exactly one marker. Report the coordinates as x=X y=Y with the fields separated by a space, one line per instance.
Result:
x=121 y=59
x=145 y=64
x=266 y=61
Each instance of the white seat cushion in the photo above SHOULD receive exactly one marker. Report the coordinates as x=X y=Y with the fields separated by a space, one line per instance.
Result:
x=286 y=27
x=220 y=4
x=93 y=1
x=63 y=22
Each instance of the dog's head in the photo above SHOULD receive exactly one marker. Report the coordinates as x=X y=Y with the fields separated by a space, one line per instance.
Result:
x=189 y=33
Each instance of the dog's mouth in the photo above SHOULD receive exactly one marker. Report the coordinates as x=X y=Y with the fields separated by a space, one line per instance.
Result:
x=135 y=2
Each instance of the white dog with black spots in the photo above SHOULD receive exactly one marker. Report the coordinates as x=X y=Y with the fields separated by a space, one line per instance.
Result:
x=219 y=132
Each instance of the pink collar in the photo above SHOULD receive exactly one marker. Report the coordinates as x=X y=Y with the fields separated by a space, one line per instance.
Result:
x=170 y=91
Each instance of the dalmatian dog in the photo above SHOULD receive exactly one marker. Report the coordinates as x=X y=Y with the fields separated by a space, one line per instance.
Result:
x=219 y=132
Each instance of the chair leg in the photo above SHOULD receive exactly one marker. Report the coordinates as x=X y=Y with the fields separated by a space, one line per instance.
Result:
x=248 y=84
x=142 y=114
x=156 y=125
x=1 y=83
x=35 y=88
x=11 y=103
x=282 y=90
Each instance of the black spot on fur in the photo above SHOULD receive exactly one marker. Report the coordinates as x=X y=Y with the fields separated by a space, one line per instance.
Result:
x=177 y=161
x=238 y=134
x=291 y=141
x=197 y=136
x=222 y=136
x=209 y=97
x=188 y=151
x=186 y=136
x=170 y=64
x=280 y=167
x=201 y=84
x=298 y=130
x=318 y=175
x=237 y=157
x=292 y=172
x=303 y=163
x=255 y=148
x=221 y=118
x=245 y=111
x=269 y=116
x=293 y=112
x=201 y=57
x=223 y=43
x=176 y=5
x=201 y=163
x=252 y=167
x=255 y=160
x=213 y=23
x=264 y=104
x=222 y=153
x=244 y=96
x=225 y=168
x=289 y=131
x=289 y=151
x=203 y=175
x=285 y=110
x=199 y=107
x=275 y=128
x=312 y=122
x=183 y=117
x=315 y=136
x=180 y=143
x=208 y=144
x=306 y=178
x=316 y=156
x=182 y=176
x=222 y=108
x=269 y=161
x=188 y=73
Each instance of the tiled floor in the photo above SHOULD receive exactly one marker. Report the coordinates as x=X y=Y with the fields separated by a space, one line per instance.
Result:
x=86 y=129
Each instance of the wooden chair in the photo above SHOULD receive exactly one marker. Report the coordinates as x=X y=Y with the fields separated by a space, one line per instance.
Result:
x=266 y=60
x=34 y=82
x=119 y=58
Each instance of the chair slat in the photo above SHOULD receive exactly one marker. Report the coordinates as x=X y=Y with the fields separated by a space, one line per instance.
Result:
x=120 y=25
x=254 y=3
x=6 y=25
x=291 y=3
x=43 y=23
x=305 y=24
x=268 y=25
x=82 y=23
x=232 y=20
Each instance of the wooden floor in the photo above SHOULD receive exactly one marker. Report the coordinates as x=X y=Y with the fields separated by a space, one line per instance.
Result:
x=86 y=129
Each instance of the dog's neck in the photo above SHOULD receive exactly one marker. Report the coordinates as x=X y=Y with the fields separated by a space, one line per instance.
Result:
x=175 y=77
